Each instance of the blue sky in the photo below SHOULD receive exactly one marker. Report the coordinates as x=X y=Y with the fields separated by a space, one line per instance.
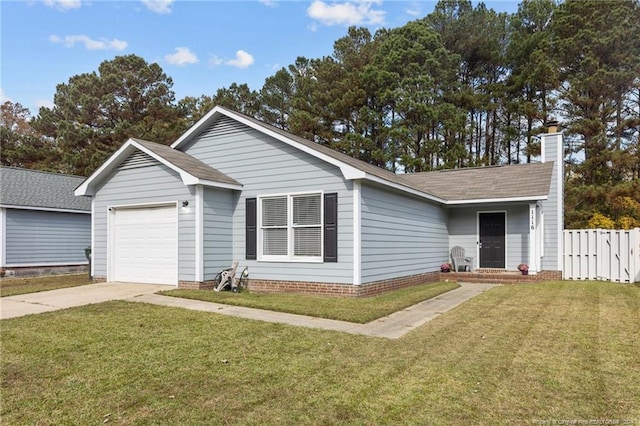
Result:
x=202 y=45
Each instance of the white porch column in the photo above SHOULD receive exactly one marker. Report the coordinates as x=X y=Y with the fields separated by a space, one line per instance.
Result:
x=92 y=263
x=199 y=237
x=533 y=239
x=357 y=219
x=3 y=234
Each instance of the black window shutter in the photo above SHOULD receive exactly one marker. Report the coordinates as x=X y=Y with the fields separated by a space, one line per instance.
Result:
x=331 y=227
x=251 y=234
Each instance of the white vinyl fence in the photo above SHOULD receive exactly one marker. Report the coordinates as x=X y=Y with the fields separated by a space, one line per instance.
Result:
x=602 y=254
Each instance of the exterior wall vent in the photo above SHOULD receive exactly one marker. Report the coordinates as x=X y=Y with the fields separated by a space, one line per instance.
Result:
x=137 y=160
x=223 y=126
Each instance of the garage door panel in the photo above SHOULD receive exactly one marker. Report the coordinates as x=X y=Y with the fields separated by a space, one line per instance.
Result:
x=145 y=245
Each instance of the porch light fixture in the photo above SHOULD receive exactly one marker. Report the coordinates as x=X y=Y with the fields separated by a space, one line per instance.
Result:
x=185 y=203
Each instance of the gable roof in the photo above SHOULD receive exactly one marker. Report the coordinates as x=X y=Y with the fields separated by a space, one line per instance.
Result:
x=350 y=167
x=195 y=167
x=191 y=170
x=500 y=183
x=482 y=184
x=34 y=189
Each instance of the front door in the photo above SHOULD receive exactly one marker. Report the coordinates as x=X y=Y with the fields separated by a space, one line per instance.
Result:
x=492 y=240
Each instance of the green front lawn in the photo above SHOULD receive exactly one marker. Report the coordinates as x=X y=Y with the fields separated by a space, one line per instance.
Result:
x=521 y=354
x=14 y=286
x=359 y=310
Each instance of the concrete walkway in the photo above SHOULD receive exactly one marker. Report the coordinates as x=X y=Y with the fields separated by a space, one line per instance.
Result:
x=53 y=300
x=392 y=326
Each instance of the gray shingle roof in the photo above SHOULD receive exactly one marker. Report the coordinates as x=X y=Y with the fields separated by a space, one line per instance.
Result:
x=33 y=188
x=188 y=163
x=523 y=180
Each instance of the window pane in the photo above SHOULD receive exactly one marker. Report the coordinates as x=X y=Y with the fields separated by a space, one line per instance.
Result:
x=307 y=241
x=274 y=211
x=306 y=210
x=274 y=242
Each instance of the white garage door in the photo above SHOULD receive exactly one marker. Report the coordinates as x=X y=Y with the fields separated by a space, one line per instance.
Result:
x=145 y=245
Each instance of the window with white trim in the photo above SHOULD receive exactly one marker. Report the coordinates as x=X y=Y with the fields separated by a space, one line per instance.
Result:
x=291 y=227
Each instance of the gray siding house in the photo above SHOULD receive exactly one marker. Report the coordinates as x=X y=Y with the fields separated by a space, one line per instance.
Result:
x=304 y=217
x=44 y=227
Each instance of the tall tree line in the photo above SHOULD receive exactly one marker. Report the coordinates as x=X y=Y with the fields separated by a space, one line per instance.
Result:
x=464 y=86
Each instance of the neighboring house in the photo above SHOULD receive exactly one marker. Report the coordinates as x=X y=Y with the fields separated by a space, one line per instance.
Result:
x=44 y=227
x=304 y=217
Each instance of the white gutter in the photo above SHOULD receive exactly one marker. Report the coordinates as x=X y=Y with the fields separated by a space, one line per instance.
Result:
x=496 y=200
x=44 y=209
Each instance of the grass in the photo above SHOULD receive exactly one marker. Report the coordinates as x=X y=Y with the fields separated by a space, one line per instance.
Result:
x=358 y=310
x=523 y=354
x=14 y=286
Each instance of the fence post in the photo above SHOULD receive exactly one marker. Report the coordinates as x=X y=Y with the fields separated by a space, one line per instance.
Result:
x=634 y=254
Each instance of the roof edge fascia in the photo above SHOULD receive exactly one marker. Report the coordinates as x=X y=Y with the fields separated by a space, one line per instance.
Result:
x=43 y=209
x=192 y=180
x=86 y=188
x=349 y=172
x=407 y=189
x=497 y=200
x=203 y=122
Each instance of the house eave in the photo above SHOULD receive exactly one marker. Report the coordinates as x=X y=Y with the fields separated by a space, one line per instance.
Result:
x=44 y=209
x=405 y=189
x=87 y=188
x=348 y=172
x=496 y=200
x=189 y=179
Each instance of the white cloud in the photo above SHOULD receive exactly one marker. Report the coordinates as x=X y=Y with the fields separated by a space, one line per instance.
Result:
x=182 y=56
x=158 y=6
x=269 y=3
x=46 y=103
x=242 y=60
x=63 y=4
x=89 y=43
x=346 y=13
x=3 y=97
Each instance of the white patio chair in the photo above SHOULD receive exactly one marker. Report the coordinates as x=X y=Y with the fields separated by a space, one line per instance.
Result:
x=460 y=260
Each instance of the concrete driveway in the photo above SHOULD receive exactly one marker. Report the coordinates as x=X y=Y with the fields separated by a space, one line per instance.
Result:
x=45 y=301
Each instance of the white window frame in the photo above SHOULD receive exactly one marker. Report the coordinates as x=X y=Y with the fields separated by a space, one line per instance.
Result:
x=290 y=257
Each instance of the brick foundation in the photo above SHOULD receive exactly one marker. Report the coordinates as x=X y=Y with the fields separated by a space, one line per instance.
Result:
x=378 y=287
x=197 y=285
x=345 y=290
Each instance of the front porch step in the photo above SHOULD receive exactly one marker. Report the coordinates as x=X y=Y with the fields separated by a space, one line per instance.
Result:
x=494 y=276
x=496 y=271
